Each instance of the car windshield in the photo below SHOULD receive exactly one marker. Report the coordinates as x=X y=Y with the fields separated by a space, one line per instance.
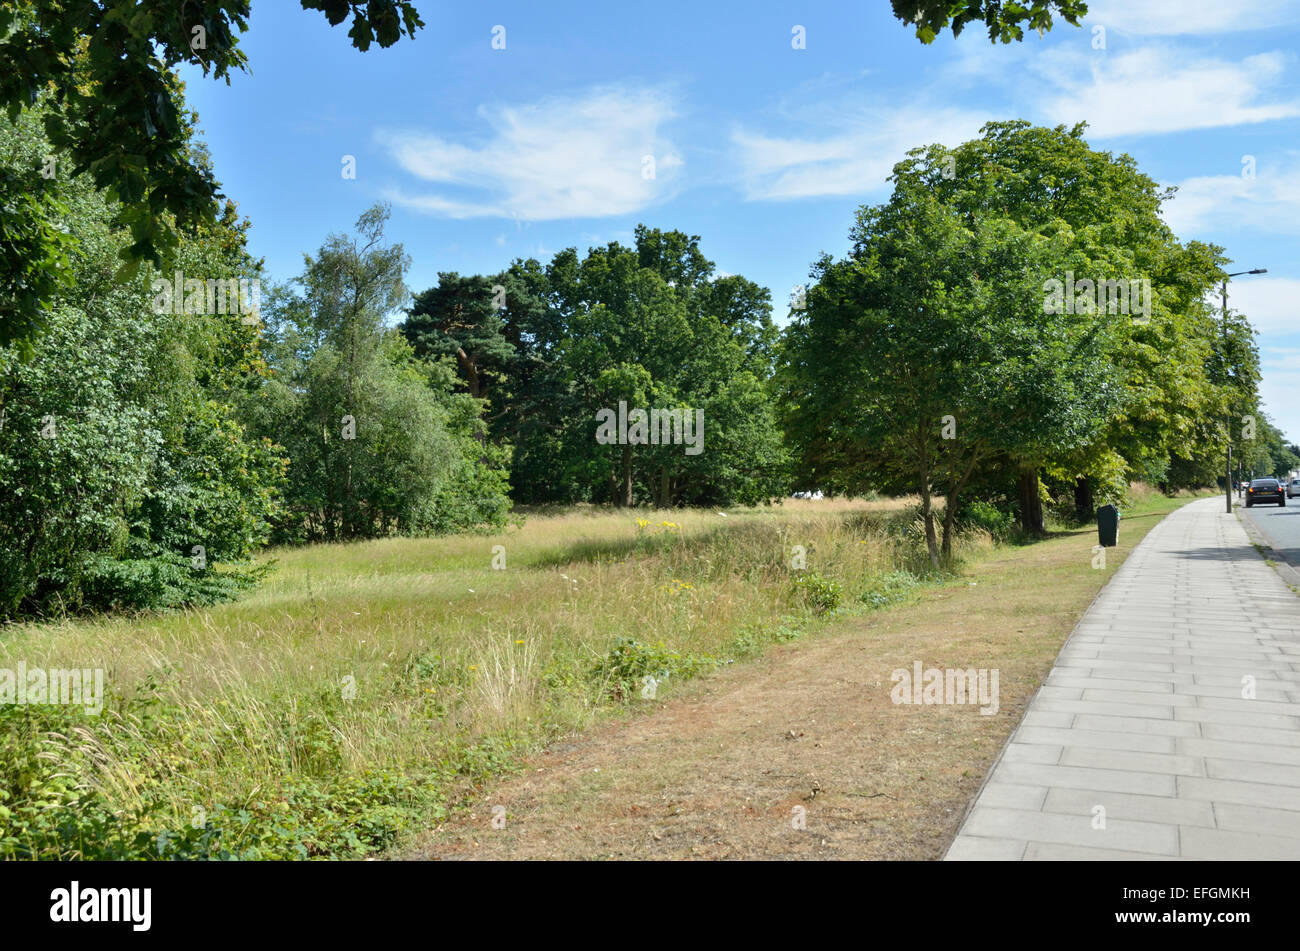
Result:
x=1264 y=483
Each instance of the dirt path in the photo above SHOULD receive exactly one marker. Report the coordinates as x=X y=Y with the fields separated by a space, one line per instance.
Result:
x=716 y=771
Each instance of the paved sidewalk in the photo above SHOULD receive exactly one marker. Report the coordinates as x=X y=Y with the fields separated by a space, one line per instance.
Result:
x=1143 y=715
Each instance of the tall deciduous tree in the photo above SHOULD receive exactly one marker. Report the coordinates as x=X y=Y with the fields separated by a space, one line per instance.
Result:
x=953 y=282
x=104 y=73
x=377 y=440
x=1103 y=215
x=649 y=327
x=126 y=480
x=926 y=353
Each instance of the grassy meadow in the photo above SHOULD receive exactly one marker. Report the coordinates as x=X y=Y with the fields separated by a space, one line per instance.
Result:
x=365 y=689
x=349 y=698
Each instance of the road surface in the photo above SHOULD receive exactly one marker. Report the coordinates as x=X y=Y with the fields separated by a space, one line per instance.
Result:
x=1280 y=525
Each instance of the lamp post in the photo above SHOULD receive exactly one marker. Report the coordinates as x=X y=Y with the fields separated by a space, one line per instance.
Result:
x=1227 y=472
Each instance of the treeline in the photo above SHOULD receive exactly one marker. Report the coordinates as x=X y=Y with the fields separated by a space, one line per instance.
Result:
x=154 y=435
x=1017 y=325
x=549 y=349
x=162 y=424
x=151 y=441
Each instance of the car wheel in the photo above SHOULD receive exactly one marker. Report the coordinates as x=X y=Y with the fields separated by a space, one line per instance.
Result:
x=1248 y=503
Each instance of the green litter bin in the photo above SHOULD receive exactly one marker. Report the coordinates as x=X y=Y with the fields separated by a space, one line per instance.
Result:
x=1107 y=526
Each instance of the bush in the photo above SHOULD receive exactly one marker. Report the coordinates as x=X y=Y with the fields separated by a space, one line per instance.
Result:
x=820 y=595
x=987 y=517
x=623 y=670
x=159 y=581
x=889 y=589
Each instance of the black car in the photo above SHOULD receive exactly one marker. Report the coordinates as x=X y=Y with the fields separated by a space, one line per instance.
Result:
x=1265 y=490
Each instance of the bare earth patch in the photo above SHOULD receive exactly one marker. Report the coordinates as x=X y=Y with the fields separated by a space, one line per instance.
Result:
x=716 y=771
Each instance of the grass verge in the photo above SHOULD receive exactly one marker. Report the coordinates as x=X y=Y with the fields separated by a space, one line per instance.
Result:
x=718 y=771
x=352 y=699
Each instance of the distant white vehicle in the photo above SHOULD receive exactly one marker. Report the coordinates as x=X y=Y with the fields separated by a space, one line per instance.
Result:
x=808 y=495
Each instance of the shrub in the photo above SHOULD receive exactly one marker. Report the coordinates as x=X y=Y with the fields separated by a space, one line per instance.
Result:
x=987 y=517
x=889 y=589
x=820 y=595
x=623 y=670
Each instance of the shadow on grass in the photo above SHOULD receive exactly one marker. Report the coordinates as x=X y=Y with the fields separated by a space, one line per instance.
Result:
x=898 y=525
x=597 y=552
x=651 y=542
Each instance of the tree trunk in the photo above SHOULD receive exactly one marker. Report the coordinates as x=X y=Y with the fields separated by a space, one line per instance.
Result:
x=625 y=499
x=927 y=516
x=1083 y=499
x=1031 y=507
x=665 y=489
x=952 y=503
x=471 y=372
x=949 y=517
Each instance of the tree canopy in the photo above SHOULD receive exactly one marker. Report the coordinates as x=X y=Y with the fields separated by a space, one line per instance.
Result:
x=947 y=308
x=111 y=104
x=1003 y=18
x=649 y=327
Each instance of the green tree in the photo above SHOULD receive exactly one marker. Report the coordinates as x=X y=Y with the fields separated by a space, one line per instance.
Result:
x=550 y=348
x=1262 y=449
x=1002 y=17
x=377 y=440
x=125 y=479
x=927 y=353
x=461 y=317
x=1102 y=214
x=104 y=74
x=649 y=327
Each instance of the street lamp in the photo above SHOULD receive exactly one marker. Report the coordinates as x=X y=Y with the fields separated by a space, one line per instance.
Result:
x=1227 y=472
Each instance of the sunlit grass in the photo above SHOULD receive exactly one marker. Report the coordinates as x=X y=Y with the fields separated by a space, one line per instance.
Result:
x=400 y=655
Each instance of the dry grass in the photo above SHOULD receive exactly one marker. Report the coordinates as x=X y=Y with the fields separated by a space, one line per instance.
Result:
x=400 y=654
x=715 y=772
x=416 y=659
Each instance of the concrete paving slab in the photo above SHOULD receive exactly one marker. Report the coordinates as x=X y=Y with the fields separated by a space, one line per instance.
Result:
x=1143 y=715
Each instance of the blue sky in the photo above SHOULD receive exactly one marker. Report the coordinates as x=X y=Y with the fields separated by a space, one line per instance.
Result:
x=763 y=150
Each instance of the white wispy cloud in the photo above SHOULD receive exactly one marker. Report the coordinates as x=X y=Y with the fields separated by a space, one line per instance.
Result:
x=1189 y=17
x=1271 y=303
x=574 y=157
x=1280 y=380
x=1282 y=358
x=1160 y=89
x=855 y=159
x=1154 y=90
x=1268 y=202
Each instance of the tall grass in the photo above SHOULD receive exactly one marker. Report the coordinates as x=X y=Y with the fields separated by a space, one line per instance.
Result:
x=350 y=699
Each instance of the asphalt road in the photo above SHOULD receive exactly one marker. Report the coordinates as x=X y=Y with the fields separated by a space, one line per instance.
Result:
x=1280 y=525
